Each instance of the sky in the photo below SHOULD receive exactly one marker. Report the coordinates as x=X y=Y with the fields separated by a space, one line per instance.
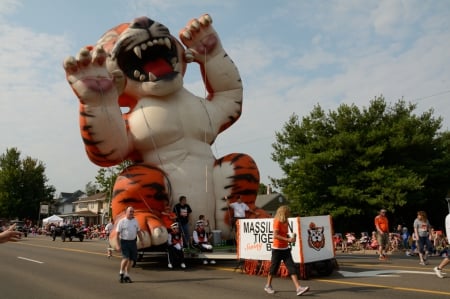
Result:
x=292 y=56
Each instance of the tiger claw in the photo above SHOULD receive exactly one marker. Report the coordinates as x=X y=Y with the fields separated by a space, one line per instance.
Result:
x=205 y=20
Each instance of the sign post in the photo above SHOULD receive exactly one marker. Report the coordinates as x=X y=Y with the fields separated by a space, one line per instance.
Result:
x=43 y=209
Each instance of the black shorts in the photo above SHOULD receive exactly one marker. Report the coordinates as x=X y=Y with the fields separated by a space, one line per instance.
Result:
x=129 y=249
x=284 y=255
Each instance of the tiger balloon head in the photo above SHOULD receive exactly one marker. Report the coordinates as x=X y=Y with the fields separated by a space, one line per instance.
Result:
x=153 y=61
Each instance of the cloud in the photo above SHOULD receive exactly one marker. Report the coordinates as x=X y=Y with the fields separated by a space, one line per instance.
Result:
x=41 y=112
x=292 y=55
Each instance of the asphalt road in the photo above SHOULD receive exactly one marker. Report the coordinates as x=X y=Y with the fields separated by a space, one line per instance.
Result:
x=37 y=267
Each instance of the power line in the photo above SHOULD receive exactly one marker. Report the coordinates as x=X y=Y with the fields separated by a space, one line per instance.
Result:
x=433 y=95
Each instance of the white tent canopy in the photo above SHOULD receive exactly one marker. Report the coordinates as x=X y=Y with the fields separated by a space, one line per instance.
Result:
x=53 y=219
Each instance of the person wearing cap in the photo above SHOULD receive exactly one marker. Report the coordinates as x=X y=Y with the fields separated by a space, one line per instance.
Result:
x=382 y=227
x=201 y=240
x=205 y=223
x=175 y=247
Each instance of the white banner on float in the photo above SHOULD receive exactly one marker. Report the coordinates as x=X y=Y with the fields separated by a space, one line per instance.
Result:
x=317 y=238
x=314 y=239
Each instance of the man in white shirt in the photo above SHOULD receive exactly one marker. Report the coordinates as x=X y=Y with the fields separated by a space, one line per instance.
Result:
x=127 y=231
x=239 y=209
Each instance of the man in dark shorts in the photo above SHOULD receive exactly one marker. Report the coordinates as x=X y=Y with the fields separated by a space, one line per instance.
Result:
x=382 y=227
x=127 y=232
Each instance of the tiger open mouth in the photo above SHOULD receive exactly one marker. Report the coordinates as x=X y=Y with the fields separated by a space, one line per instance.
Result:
x=147 y=61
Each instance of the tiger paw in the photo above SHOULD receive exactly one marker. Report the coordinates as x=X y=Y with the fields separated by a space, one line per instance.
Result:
x=153 y=229
x=89 y=77
x=200 y=37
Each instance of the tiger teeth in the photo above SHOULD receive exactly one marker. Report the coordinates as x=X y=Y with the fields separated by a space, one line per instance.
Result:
x=168 y=44
x=151 y=77
x=174 y=61
x=137 y=51
x=141 y=77
x=144 y=46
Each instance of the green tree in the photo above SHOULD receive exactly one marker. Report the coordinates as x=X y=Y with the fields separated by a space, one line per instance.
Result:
x=23 y=186
x=105 y=179
x=262 y=189
x=91 y=188
x=351 y=162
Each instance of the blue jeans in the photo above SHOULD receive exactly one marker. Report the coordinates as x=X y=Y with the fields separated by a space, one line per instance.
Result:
x=422 y=242
x=185 y=234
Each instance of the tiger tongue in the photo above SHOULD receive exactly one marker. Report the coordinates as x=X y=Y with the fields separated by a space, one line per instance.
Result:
x=158 y=67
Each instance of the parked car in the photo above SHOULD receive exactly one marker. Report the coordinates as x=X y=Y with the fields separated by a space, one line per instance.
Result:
x=68 y=231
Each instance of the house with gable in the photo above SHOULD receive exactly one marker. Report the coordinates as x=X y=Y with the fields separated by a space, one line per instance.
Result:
x=91 y=210
x=270 y=202
x=64 y=203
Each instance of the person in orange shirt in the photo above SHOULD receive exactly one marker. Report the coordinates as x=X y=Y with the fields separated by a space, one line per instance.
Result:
x=282 y=252
x=167 y=216
x=382 y=227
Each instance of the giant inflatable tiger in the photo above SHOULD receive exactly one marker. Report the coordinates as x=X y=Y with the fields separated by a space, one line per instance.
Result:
x=134 y=107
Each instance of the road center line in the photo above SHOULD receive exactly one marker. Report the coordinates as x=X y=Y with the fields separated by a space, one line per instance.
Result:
x=30 y=260
x=383 y=286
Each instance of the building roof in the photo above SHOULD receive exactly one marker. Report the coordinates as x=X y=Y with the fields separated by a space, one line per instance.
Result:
x=67 y=198
x=80 y=214
x=96 y=197
x=270 y=202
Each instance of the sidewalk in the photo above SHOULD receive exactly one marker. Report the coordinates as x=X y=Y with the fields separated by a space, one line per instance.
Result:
x=368 y=252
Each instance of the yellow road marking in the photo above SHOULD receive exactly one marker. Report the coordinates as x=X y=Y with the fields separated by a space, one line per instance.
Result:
x=63 y=249
x=384 y=287
x=321 y=280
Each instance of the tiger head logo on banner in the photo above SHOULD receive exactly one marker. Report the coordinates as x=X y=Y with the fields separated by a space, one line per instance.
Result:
x=316 y=239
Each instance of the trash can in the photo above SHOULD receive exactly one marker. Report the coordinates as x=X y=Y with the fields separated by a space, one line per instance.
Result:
x=217 y=237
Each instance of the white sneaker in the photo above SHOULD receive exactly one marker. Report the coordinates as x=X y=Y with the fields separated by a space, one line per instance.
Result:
x=269 y=290
x=212 y=262
x=438 y=272
x=205 y=262
x=302 y=290
x=183 y=265
x=170 y=266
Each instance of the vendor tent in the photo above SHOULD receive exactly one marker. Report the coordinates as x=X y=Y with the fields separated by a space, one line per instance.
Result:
x=53 y=219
